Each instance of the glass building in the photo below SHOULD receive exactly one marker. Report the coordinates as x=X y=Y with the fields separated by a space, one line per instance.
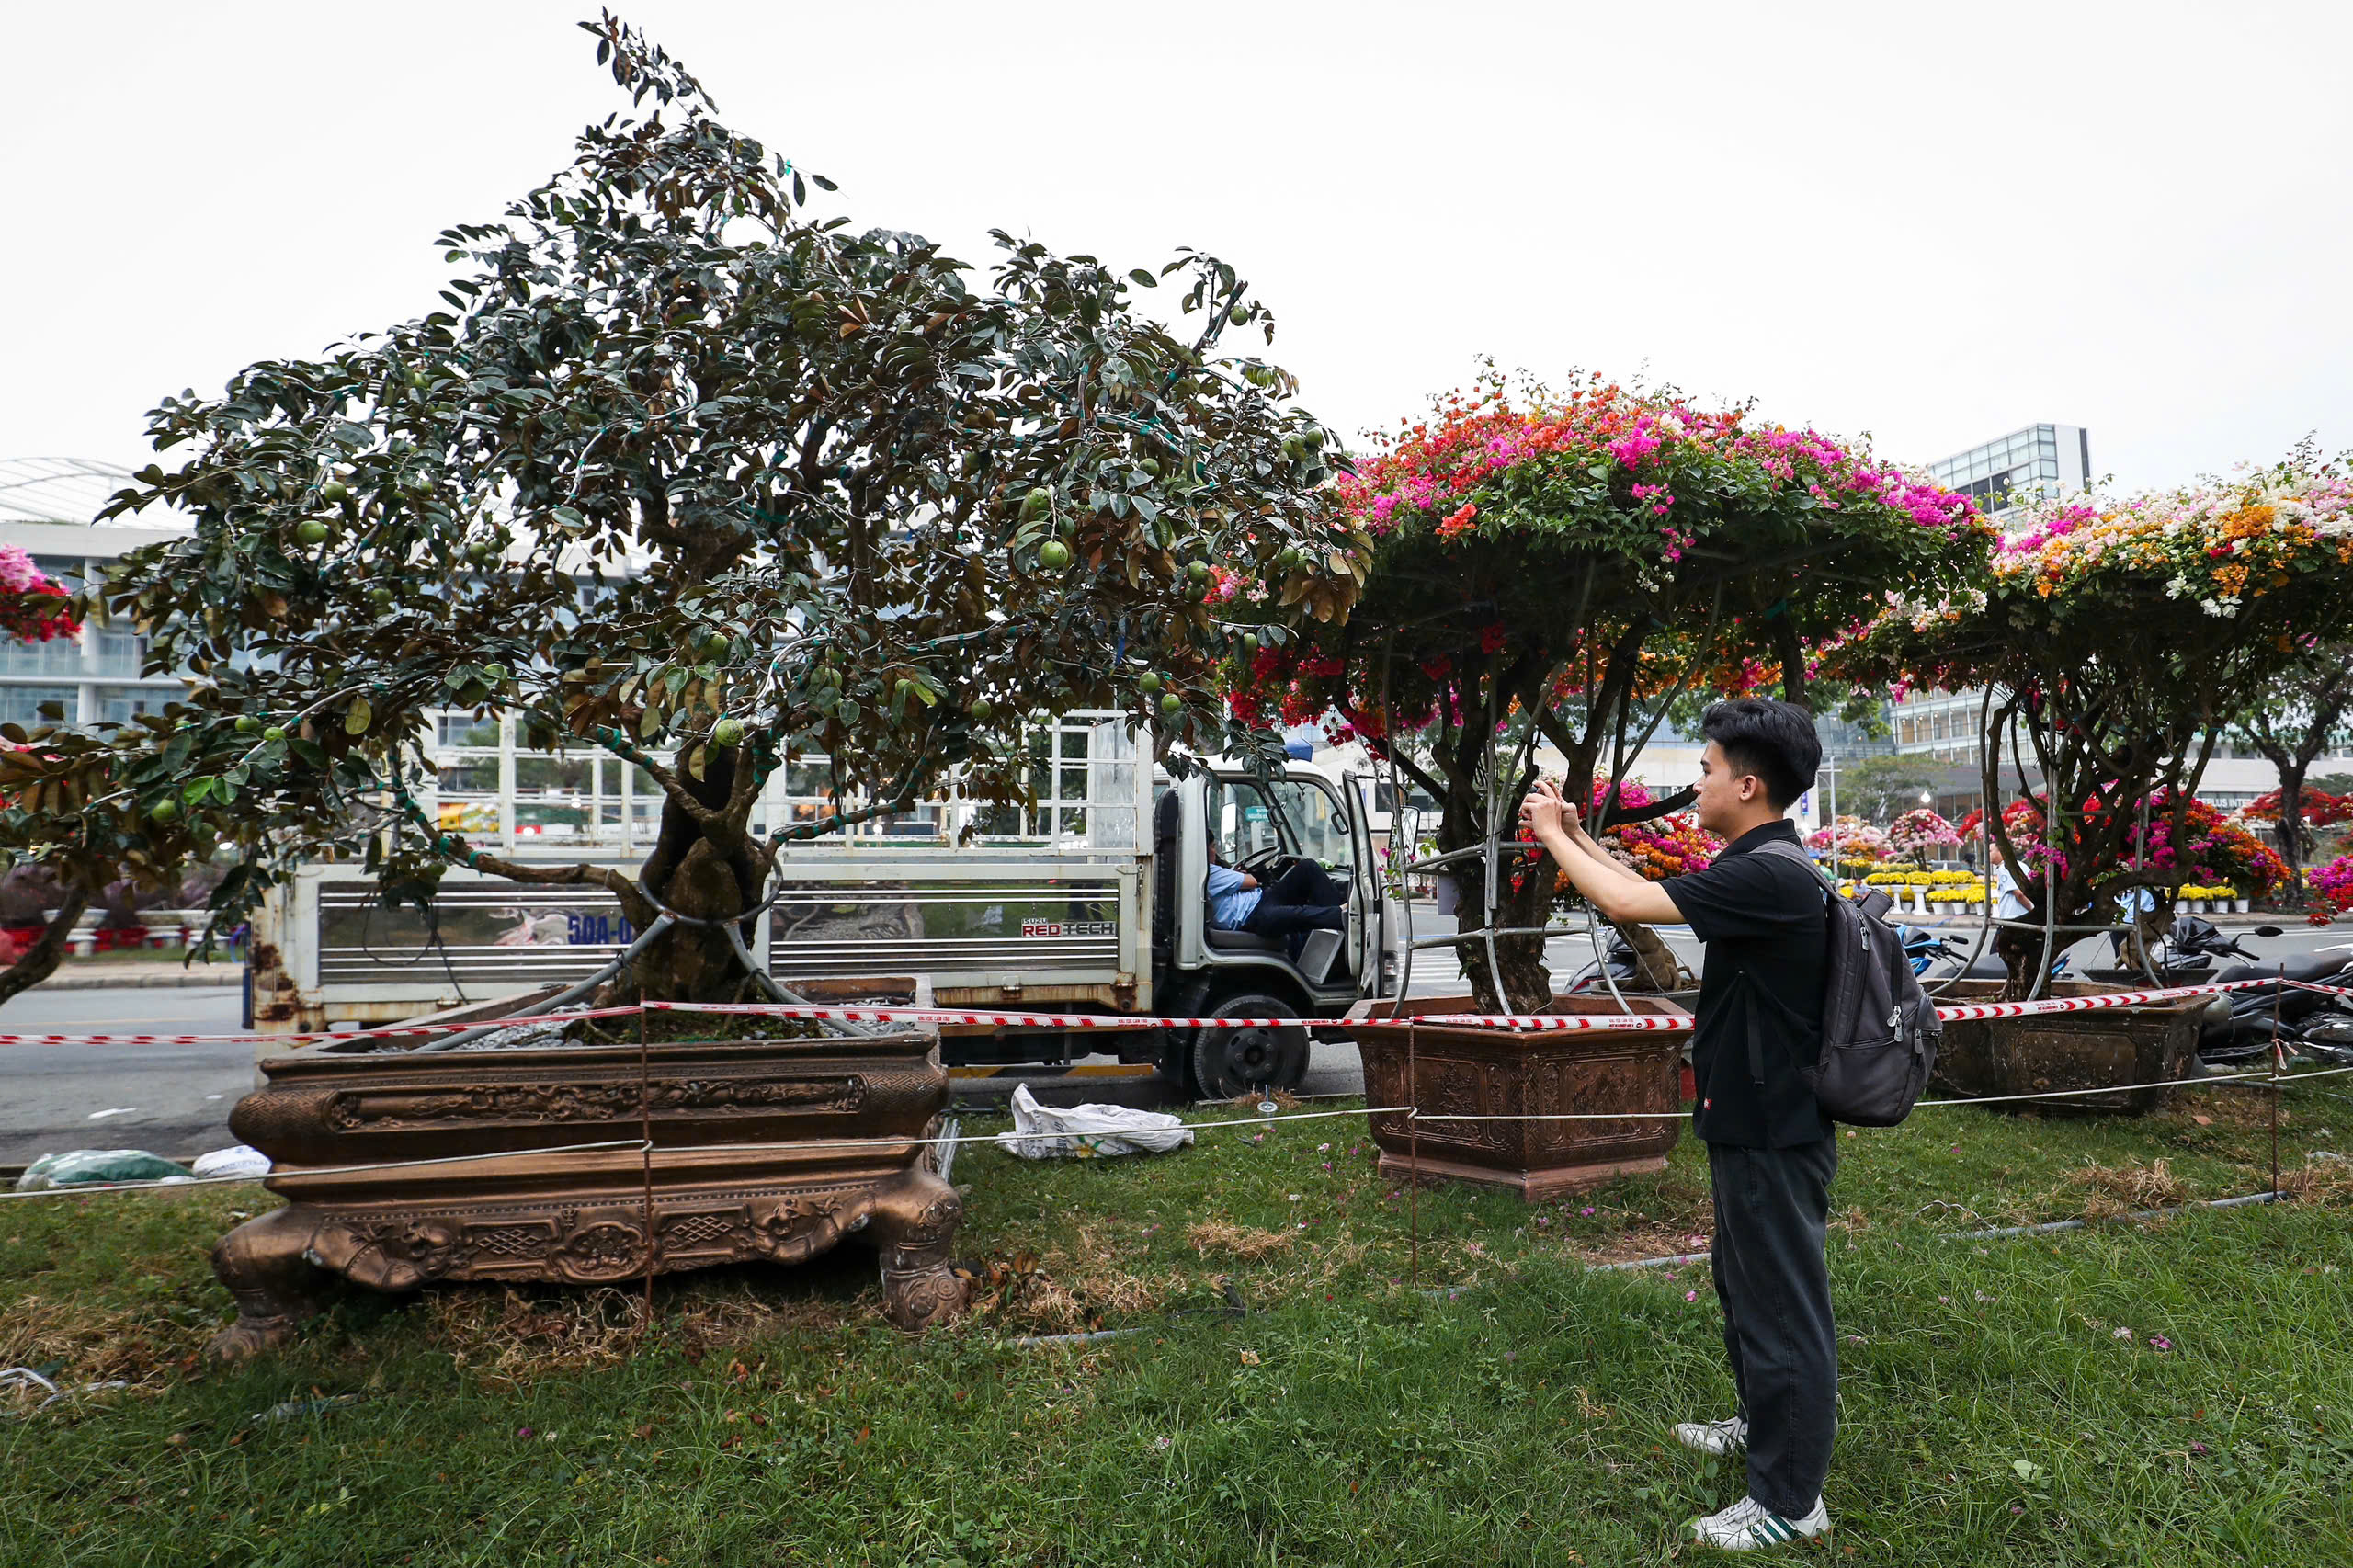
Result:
x=2039 y=460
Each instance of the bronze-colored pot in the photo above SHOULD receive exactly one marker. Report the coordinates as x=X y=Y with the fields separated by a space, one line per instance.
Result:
x=2151 y=1044
x=1484 y=1072
x=747 y=1163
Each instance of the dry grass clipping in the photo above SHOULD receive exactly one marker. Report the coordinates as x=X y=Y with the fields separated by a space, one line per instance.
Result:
x=2319 y=1181
x=96 y=1345
x=515 y=1336
x=2126 y=1189
x=1640 y=1240
x=1230 y=1239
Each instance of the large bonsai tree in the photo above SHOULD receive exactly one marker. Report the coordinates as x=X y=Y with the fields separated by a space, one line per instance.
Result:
x=2118 y=641
x=691 y=474
x=1588 y=559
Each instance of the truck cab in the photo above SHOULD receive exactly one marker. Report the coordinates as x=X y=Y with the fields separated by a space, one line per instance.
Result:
x=1225 y=813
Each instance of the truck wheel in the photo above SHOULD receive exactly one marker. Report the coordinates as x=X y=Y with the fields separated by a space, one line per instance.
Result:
x=1229 y=1062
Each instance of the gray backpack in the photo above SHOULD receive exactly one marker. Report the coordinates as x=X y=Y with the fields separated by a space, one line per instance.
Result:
x=1880 y=1031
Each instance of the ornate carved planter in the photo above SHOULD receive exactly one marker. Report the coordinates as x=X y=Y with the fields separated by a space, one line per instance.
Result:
x=2152 y=1043
x=1508 y=1072
x=740 y=1168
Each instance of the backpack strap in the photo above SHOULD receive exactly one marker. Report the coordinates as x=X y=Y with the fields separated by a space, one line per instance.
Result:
x=1781 y=849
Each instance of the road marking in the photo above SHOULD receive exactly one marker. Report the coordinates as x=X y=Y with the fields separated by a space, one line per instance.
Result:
x=119 y=1110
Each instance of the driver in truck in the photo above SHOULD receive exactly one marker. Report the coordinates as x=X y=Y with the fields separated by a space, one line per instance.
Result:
x=1302 y=899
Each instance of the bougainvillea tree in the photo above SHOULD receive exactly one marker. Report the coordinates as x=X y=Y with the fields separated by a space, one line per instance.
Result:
x=1920 y=833
x=2118 y=641
x=2318 y=808
x=1585 y=558
x=2209 y=849
x=2331 y=886
x=693 y=473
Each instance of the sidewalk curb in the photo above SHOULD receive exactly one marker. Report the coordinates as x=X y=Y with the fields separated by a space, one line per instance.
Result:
x=228 y=979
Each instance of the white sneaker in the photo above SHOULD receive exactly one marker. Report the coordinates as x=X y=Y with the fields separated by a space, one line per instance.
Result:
x=1713 y=1436
x=1749 y=1526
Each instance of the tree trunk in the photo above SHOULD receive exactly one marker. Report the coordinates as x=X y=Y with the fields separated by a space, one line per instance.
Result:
x=2291 y=824
x=39 y=960
x=1519 y=982
x=706 y=873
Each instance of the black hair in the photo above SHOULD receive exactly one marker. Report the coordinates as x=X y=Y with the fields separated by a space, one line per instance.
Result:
x=1774 y=741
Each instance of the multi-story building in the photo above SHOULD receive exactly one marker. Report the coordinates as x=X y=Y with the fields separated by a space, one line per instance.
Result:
x=46 y=505
x=2038 y=462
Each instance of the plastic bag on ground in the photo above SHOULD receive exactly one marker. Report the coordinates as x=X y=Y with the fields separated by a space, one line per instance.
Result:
x=81 y=1167
x=242 y=1160
x=1087 y=1131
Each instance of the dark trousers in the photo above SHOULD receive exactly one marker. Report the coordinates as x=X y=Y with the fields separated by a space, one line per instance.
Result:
x=1301 y=898
x=1773 y=1283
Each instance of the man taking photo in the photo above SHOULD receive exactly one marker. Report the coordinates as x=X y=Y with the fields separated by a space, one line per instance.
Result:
x=1771 y=1152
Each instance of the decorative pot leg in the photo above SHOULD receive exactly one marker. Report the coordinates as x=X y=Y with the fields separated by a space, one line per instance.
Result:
x=276 y=1287
x=914 y=1224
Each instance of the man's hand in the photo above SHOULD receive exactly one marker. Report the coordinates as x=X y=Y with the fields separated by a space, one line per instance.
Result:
x=1545 y=810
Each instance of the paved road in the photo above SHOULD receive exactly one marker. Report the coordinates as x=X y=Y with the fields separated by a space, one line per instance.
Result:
x=169 y=1099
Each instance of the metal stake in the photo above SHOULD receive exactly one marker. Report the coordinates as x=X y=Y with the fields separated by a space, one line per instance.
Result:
x=645 y=1131
x=1414 y=1155
x=2278 y=996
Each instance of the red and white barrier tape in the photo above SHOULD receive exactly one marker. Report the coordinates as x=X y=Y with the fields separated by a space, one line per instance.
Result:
x=1530 y=1023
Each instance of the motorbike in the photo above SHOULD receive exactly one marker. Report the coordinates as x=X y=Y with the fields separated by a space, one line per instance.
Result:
x=2246 y=1025
x=1929 y=950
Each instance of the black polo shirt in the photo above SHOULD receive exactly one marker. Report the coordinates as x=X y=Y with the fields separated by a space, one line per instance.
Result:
x=1762 y=919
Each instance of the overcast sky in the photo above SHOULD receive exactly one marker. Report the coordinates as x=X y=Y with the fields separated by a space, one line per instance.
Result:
x=1933 y=222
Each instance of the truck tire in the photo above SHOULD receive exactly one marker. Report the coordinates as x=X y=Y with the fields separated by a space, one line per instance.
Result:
x=1230 y=1061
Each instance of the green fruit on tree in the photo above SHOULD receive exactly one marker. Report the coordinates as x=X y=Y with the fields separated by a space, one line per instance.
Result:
x=333 y=490
x=1151 y=467
x=1291 y=560
x=379 y=597
x=1037 y=504
x=1294 y=449
x=163 y=810
x=979 y=710
x=727 y=733
x=1198 y=571
x=1314 y=436
x=1148 y=682
x=275 y=732
x=715 y=645
x=478 y=552
x=1239 y=316
x=1249 y=644
x=1172 y=704
x=249 y=725
x=1053 y=555
x=312 y=531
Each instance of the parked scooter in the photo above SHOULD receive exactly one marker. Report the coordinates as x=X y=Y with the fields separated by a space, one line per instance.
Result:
x=2244 y=1026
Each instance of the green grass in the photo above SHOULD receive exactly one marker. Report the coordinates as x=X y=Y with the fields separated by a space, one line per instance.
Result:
x=1991 y=1412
